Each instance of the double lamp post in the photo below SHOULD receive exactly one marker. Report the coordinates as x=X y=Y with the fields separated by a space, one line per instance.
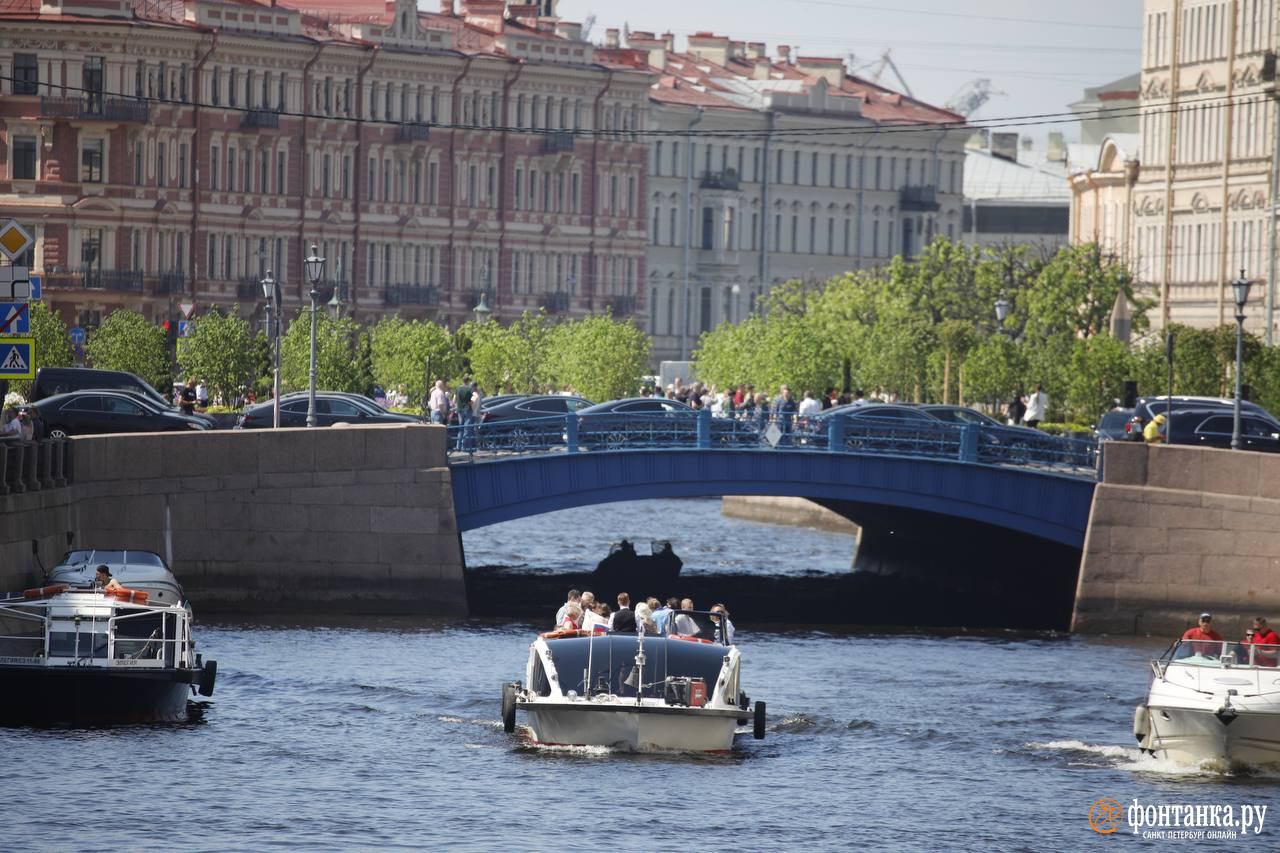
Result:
x=314 y=265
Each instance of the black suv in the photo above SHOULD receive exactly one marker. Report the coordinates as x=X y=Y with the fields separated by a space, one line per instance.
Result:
x=1127 y=424
x=1213 y=427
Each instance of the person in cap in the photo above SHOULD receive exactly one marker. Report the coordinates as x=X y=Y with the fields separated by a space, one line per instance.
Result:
x=1154 y=432
x=103 y=579
x=1204 y=631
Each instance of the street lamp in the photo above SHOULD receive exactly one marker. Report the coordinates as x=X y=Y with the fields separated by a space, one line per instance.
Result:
x=736 y=290
x=1241 y=288
x=315 y=269
x=1003 y=307
x=335 y=301
x=482 y=309
x=271 y=290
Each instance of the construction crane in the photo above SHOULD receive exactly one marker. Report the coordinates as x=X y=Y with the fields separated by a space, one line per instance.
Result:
x=970 y=97
x=886 y=61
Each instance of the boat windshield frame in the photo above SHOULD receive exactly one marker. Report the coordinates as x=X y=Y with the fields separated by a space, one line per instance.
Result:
x=91 y=614
x=1221 y=654
x=601 y=664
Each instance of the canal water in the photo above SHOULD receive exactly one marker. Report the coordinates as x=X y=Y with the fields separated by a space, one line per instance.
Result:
x=385 y=734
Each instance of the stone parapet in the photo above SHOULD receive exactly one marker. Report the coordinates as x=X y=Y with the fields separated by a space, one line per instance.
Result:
x=1177 y=530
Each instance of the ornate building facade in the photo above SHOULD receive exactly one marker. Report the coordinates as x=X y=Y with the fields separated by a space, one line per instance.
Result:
x=175 y=151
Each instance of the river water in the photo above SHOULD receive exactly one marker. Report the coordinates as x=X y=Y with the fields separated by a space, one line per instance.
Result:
x=385 y=734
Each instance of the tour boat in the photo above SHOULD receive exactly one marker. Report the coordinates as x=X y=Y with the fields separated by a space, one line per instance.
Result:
x=1213 y=700
x=75 y=652
x=633 y=692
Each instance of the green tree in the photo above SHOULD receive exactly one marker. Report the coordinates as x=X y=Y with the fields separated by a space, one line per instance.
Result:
x=404 y=352
x=601 y=358
x=517 y=355
x=337 y=368
x=219 y=351
x=1075 y=292
x=128 y=341
x=995 y=369
x=52 y=347
x=1099 y=366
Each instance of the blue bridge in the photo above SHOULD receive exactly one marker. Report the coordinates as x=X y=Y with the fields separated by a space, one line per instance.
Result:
x=1005 y=477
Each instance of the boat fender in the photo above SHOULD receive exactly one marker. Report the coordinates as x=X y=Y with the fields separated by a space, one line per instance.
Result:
x=1141 y=723
x=508 y=707
x=758 y=728
x=132 y=596
x=689 y=638
x=208 y=676
x=45 y=591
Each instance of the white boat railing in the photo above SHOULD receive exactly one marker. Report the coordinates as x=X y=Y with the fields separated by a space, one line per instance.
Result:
x=95 y=640
x=1220 y=653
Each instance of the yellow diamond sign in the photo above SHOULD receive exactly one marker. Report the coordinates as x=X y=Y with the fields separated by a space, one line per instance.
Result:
x=14 y=240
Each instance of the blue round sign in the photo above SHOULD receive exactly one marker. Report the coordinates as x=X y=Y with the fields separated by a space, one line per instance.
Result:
x=77 y=335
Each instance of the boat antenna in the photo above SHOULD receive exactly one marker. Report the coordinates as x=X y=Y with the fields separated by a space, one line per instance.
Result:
x=640 y=659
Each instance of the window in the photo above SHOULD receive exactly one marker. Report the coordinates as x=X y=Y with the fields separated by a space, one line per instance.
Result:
x=161 y=171
x=280 y=178
x=182 y=164
x=231 y=169
x=91 y=161
x=24 y=158
x=325 y=171
x=431 y=183
x=26 y=74
x=373 y=177
x=91 y=82
x=137 y=164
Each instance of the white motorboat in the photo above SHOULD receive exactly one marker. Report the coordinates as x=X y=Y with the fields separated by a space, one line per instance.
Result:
x=73 y=651
x=1213 y=700
x=633 y=692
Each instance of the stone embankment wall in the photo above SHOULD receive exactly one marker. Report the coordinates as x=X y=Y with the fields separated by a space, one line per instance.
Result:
x=1178 y=530
x=798 y=512
x=337 y=520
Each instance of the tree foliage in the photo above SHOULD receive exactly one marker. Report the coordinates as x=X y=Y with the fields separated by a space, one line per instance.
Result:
x=52 y=346
x=337 y=366
x=219 y=351
x=409 y=355
x=128 y=341
x=599 y=357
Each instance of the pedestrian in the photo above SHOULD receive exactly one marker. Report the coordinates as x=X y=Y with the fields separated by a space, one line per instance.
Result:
x=1014 y=410
x=1037 y=404
x=809 y=406
x=438 y=403
x=202 y=395
x=462 y=400
x=188 y=398
x=785 y=408
x=1154 y=432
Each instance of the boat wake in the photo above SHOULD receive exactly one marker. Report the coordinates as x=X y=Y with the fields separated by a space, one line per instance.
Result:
x=1130 y=758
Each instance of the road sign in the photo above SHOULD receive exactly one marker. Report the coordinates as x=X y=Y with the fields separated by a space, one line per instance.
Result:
x=77 y=335
x=37 y=286
x=14 y=240
x=17 y=358
x=188 y=308
x=184 y=328
x=14 y=318
x=14 y=286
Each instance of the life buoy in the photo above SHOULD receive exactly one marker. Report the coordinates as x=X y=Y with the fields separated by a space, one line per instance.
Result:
x=133 y=596
x=689 y=638
x=563 y=633
x=45 y=591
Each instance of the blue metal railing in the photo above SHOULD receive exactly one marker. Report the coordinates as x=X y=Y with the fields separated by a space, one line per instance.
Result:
x=841 y=433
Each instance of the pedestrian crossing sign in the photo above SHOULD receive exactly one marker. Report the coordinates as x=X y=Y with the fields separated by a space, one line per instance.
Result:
x=17 y=358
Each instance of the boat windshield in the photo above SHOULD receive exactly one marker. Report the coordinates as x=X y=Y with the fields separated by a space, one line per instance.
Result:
x=1223 y=653
x=113 y=558
x=606 y=663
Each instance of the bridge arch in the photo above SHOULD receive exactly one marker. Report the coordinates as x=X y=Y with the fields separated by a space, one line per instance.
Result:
x=1043 y=504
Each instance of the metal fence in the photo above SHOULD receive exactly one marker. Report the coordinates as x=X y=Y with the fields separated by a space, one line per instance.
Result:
x=842 y=433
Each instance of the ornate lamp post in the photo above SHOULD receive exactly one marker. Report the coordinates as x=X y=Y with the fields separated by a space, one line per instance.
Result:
x=335 y=302
x=315 y=269
x=482 y=309
x=1003 y=307
x=1241 y=288
x=271 y=290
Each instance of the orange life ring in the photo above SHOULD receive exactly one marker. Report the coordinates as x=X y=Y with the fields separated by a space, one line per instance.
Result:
x=689 y=638
x=133 y=596
x=44 y=591
x=563 y=633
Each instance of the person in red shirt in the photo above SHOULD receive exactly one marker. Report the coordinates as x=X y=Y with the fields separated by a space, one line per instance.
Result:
x=1262 y=635
x=1204 y=631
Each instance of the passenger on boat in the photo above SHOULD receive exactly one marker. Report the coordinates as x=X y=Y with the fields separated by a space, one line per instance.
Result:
x=592 y=620
x=574 y=597
x=684 y=623
x=644 y=617
x=588 y=601
x=662 y=615
x=103 y=579
x=623 y=620
x=1203 y=631
x=572 y=620
x=1264 y=636
x=724 y=627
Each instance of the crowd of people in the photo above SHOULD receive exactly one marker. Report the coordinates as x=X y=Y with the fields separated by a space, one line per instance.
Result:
x=1205 y=639
x=582 y=611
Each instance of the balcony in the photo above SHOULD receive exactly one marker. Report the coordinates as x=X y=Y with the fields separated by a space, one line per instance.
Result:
x=171 y=282
x=412 y=294
x=726 y=180
x=918 y=198
x=622 y=306
x=557 y=141
x=268 y=119
x=95 y=278
x=412 y=131
x=555 y=302
x=95 y=107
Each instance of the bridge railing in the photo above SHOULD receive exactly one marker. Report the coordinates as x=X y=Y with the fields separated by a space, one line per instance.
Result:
x=991 y=445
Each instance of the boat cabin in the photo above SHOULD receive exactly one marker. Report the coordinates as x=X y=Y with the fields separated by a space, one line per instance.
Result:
x=135 y=569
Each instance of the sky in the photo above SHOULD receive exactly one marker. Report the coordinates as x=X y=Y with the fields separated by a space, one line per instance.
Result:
x=1040 y=54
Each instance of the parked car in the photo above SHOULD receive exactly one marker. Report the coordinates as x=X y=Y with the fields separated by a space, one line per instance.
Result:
x=59 y=380
x=1213 y=427
x=332 y=407
x=653 y=420
x=1119 y=424
x=97 y=411
x=519 y=422
x=532 y=406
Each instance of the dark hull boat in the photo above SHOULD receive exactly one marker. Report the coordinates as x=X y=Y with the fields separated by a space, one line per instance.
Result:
x=75 y=653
